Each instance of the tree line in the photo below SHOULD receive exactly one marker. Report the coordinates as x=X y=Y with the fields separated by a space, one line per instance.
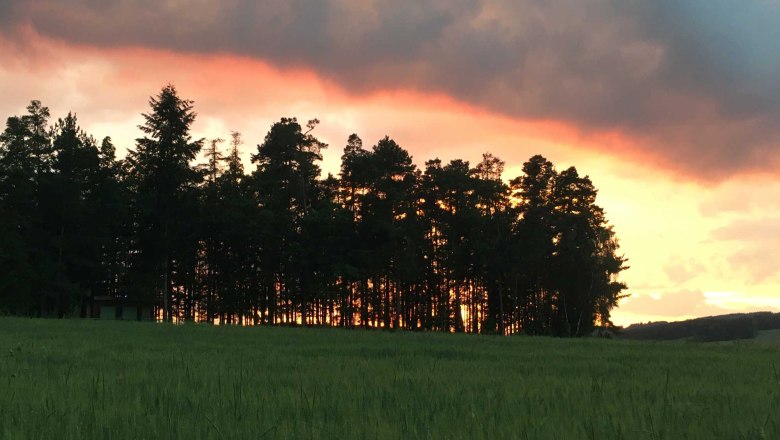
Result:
x=449 y=247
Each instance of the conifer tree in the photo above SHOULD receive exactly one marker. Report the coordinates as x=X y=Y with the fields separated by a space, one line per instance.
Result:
x=163 y=182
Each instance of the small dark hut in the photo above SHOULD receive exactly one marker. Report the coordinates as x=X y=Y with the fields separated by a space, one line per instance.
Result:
x=111 y=307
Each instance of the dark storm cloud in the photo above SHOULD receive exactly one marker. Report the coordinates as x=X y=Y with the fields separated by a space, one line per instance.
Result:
x=694 y=82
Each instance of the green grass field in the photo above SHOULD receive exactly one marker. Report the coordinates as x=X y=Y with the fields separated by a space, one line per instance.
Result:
x=769 y=337
x=90 y=379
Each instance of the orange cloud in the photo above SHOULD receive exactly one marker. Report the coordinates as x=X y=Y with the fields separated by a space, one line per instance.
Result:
x=248 y=94
x=654 y=73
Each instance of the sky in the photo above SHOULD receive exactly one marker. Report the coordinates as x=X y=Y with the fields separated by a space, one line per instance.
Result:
x=672 y=107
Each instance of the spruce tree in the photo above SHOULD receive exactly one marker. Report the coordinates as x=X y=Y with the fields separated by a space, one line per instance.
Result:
x=163 y=182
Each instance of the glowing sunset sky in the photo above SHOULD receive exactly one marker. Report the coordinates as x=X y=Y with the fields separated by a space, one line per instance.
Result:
x=672 y=107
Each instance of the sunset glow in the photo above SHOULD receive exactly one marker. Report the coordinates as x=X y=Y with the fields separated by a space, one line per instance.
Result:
x=691 y=182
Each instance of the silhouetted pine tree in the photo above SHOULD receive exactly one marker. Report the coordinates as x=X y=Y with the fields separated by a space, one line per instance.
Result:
x=453 y=248
x=164 y=205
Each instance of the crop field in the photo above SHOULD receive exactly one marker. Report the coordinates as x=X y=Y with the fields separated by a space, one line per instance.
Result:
x=769 y=337
x=98 y=379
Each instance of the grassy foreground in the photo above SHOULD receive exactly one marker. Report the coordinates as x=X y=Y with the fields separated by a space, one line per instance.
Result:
x=90 y=379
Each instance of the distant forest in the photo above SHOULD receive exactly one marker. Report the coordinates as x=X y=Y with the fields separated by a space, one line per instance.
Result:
x=450 y=247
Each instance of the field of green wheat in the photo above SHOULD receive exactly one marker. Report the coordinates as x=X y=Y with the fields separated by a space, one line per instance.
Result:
x=96 y=379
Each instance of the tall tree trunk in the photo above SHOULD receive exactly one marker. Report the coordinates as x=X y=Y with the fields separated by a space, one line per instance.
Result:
x=165 y=292
x=59 y=278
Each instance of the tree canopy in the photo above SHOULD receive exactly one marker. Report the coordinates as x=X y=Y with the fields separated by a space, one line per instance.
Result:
x=449 y=247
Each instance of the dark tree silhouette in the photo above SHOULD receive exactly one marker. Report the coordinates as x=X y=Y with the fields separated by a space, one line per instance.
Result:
x=25 y=254
x=62 y=202
x=451 y=247
x=163 y=185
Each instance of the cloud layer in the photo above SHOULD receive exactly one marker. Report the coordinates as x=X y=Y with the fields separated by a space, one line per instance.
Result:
x=674 y=305
x=694 y=83
x=757 y=241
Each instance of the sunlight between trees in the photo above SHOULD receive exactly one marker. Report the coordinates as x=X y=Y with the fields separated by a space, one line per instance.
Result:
x=451 y=247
